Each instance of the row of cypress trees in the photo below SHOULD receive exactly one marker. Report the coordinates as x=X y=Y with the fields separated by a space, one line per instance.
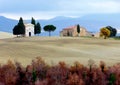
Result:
x=37 y=27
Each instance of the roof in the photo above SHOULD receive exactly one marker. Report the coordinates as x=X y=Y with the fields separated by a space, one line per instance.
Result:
x=69 y=28
x=73 y=27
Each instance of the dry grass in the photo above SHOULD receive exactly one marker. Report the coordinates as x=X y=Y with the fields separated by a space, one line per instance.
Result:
x=55 y=49
x=6 y=35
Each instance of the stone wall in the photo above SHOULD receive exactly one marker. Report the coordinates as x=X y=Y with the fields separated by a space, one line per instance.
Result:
x=72 y=31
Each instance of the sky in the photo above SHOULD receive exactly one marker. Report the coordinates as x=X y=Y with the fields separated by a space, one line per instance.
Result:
x=46 y=9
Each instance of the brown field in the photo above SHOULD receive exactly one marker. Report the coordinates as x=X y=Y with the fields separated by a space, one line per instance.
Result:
x=55 y=49
x=4 y=35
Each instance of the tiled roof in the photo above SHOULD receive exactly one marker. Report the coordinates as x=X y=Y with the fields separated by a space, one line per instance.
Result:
x=69 y=28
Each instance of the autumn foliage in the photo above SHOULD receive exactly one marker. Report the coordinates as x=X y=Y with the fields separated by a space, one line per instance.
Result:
x=108 y=31
x=104 y=32
x=40 y=73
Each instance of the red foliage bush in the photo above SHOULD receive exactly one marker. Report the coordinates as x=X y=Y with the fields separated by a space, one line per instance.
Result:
x=8 y=75
x=57 y=75
x=39 y=73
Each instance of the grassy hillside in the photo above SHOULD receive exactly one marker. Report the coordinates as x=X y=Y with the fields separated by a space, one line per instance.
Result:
x=55 y=49
x=6 y=35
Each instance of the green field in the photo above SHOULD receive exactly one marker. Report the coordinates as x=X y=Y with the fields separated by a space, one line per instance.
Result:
x=55 y=49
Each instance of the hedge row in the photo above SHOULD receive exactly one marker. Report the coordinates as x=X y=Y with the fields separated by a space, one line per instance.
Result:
x=40 y=73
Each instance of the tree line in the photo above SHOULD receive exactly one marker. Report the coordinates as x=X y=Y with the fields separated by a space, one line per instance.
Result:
x=19 y=29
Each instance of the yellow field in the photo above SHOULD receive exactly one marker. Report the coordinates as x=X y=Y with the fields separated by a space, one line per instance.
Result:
x=55 y=49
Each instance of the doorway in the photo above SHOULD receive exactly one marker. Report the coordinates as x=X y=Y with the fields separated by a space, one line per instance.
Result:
x=29 y=34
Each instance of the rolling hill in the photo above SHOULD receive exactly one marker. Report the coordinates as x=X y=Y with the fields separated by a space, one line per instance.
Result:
x=4 y=35
x=6 y=24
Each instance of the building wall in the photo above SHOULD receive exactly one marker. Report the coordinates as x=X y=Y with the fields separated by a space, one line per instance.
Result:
x=73 y=32
x=29 y=30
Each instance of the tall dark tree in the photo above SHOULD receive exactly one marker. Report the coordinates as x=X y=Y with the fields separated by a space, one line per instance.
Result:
x=49 y=28
x=15 y=30
x=21 y=26
x=78 y=29
x=19 y=29
x=112 y=30
x=33 y=21
x=38 y=28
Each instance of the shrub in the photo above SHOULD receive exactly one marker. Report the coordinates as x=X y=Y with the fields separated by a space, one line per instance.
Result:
x=57 y=75
x=39 y=73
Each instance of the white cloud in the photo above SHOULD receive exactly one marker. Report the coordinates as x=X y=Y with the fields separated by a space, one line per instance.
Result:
x=105 y=7
x=44 y=9
x=36 y=15
x=40 y=14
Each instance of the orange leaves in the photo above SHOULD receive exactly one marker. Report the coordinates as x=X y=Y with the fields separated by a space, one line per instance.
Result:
x=104 y=32
x=74 y=80
x=61 y=74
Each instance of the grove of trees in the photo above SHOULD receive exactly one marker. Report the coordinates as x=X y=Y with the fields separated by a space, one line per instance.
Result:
x=49 y=28
x=108 y=32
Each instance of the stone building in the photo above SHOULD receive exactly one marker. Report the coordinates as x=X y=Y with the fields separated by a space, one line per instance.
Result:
x=29 y=30
x=72 y=31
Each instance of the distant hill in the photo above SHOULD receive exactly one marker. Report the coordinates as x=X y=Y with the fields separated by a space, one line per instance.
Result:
x=91 y=22
x=7 y=24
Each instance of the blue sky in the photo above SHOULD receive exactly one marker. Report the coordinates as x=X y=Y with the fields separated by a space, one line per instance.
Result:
x=45 y=9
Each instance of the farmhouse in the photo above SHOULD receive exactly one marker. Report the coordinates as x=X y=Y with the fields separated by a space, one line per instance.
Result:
x=29 y=30
x=72 y=31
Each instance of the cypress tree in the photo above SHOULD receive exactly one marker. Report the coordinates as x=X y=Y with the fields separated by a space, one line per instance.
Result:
x=15 y=30
x=38 y=28
x=34 y=23
x=19 y=29
x=78 y=29
x=21 y=26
